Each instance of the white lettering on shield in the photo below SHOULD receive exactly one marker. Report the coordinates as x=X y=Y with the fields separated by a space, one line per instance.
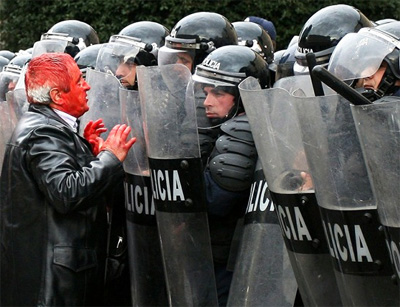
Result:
x=138 y=200
x=292 y=223
x=343 y=247
x=167 y=185
x=258 y=200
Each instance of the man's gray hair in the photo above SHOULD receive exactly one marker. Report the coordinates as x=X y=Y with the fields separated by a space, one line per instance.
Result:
x=40 y=95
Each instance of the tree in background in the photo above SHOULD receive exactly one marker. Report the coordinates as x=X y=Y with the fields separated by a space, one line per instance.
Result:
x=23 y=21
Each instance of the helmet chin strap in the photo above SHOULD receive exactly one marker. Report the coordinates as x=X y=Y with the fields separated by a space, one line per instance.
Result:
x=387 y=84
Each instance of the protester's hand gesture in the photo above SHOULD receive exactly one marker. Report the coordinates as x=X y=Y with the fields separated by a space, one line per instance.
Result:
x=92 y=133
x=116 y=141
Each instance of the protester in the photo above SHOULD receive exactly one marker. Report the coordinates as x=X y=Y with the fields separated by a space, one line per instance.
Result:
x=54 y=192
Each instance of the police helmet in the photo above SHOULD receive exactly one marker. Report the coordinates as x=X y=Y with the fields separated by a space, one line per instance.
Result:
x=77 y=34
x=7 y=54
x=360 y=55
x=197 y=34
x=230 y=65
x=87 y=57
x=3 y=62
x=254 y=36
x=11 y=73
x=323 y=31
x=149 y=32
x=225 y=68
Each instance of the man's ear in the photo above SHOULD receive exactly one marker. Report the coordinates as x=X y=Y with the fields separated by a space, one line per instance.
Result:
x=55 y=95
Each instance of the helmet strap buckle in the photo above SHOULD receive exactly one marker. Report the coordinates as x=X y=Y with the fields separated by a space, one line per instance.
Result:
x=387 y=83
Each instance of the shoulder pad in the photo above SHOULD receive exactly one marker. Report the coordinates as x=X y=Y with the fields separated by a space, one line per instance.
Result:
x=227 y=143
x=232 y=172
x=238 y=127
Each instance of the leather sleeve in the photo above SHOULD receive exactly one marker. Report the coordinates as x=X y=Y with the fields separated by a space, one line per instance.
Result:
x=65 y=169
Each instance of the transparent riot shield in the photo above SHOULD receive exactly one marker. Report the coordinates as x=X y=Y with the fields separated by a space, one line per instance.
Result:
x=277 y=136
x=17 y=103
x=262 y=258
x=170 y=128
x=296 y=85
x=148 y=286
x=103 y=100
x=6 y=129
x=349 y=213
x=8 y=116
x=378 y=127
x=16 y=99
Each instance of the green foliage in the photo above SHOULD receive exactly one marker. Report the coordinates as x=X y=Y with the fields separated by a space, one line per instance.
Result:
x=23 y=21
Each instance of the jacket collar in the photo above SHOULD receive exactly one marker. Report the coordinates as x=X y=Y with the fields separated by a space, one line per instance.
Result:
x=46 y=111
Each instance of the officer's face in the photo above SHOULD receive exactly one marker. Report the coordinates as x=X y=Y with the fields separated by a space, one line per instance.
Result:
x=217 y=103
x=185 y=59
x=126 y=73
x=76 y=99
x=373 y=81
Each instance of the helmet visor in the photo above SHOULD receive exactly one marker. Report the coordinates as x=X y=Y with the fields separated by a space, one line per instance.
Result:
x=47 y=46
x=111 y=55
x=359 y=55
x=175 y=56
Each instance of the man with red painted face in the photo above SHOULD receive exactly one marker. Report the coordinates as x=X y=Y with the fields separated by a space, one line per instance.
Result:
x=53 y=192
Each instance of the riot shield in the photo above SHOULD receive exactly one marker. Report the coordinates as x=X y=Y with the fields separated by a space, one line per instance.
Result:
x=262 y=258
x=300 y=86
x=17 y=100
x=8 y=119
x=170 y=128
x=296 y=85
x=276 y=133
x=349 y=213
x=103 y=100
x=378 y=127
x=6 y=129
x=148 y=286
x=17 y=103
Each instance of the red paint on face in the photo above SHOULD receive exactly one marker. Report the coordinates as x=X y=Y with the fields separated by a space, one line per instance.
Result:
x=76 y=100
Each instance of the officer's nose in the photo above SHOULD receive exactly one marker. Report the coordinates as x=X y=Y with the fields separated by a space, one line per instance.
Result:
x=120 y=72
x=208 y=101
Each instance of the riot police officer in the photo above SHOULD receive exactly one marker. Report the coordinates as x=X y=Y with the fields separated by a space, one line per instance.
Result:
x=229 y=171
x=134 y=245
x=149 y=37
x=374 y=65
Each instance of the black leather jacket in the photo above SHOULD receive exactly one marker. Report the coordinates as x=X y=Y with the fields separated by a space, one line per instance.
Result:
x=53 y=214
